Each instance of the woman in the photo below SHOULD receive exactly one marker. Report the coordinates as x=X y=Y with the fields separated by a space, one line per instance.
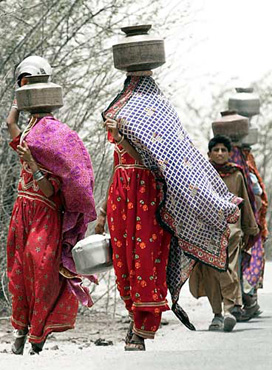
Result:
x=54 y=205
x=140 y=245
x=194 y=206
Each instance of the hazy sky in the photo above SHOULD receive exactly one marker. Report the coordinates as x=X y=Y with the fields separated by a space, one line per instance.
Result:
x=232 y=37
x=239 y=33
x=216 y=45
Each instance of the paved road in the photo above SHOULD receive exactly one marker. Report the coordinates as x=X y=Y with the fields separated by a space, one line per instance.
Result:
x=248 y=347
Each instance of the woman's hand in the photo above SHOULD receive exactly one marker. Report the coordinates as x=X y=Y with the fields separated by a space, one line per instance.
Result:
x=25 y=153
x=113 y=127
x=100 y=224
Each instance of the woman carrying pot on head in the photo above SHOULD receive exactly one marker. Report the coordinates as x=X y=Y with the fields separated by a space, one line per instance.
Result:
x=54 y=204
x=166 y=205
x=140 y=245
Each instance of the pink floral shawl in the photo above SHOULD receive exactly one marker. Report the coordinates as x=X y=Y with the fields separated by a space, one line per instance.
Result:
x=60 y=150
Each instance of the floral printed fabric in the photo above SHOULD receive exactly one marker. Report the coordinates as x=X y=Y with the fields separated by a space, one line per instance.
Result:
x=41 y=298
x=140 y=245
x=60 y=150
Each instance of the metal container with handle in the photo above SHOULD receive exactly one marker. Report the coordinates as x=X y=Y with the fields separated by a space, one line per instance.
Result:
x=93 y=254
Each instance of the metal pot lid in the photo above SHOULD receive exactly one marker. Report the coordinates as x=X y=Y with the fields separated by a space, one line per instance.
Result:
x=137 y=34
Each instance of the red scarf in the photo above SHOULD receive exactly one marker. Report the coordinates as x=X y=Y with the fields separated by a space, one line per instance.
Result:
x=227 y=168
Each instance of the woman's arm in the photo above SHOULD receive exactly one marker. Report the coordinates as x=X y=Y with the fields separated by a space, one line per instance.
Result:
x=102 y=217
x=12 y=121
x=113 y=127
x=44 y=184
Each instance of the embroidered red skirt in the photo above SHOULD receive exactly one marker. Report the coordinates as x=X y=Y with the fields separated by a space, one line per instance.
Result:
x=41 y=299
x=140 y=245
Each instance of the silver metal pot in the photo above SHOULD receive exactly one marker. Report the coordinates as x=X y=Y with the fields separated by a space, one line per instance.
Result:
x=245 y=102
x=251 y=138
x=231 y=124
x=138 y=51
x=93 y=254
x=39 y=95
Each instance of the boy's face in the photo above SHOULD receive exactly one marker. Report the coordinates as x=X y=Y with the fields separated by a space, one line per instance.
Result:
x=219 y=154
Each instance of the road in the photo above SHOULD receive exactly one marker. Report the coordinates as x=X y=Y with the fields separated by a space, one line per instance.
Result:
x=249 y=346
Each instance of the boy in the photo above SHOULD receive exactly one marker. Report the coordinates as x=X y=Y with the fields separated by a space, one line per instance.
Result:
x=225 y=286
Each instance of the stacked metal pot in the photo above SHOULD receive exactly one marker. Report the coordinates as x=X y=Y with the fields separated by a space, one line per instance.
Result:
x=235 y=122
x=39 y=95
x=232 y=125
x=247 y=104
x=138 y=51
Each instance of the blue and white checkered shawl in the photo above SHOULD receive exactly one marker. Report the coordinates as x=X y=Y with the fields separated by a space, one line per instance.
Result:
x=198 y=205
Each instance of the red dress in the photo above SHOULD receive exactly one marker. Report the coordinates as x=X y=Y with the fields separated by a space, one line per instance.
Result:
x=41 y=299
x=140 y=245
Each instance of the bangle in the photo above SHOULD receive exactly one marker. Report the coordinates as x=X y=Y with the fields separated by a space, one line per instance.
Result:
x=103 y=211
x=38 y=175
x=121 y=140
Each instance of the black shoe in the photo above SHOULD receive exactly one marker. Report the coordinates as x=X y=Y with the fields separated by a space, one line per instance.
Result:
x=252 y=310
x=36 y=348
x=240 y=314
x=258 y=313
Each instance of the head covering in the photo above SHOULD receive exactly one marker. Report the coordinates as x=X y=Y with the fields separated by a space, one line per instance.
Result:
x=32 y=65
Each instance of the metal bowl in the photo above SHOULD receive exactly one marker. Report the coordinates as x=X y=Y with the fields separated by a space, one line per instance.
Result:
x=93 y=254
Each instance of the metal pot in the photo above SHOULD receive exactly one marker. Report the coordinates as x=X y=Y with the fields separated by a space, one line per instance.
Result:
x=231 y=124
x=93 y=254
x=245 y=102
x=138 y=51
x=39 y=95
x=251 y=138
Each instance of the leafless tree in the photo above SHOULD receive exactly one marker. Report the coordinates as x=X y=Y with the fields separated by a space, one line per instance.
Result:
x=75 y=36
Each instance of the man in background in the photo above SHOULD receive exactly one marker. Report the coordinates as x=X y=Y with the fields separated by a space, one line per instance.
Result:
x=225 y=286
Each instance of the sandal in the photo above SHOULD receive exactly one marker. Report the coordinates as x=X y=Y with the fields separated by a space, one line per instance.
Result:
x=136 y=344
x=229 y=322
x=18 y=346
x=217 y=323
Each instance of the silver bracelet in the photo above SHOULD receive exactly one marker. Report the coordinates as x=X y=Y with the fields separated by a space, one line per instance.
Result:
x=103 y=211
x=38 y=175
x=40 y=178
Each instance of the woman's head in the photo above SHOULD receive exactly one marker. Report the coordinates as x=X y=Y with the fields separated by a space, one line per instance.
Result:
x=33 y=65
